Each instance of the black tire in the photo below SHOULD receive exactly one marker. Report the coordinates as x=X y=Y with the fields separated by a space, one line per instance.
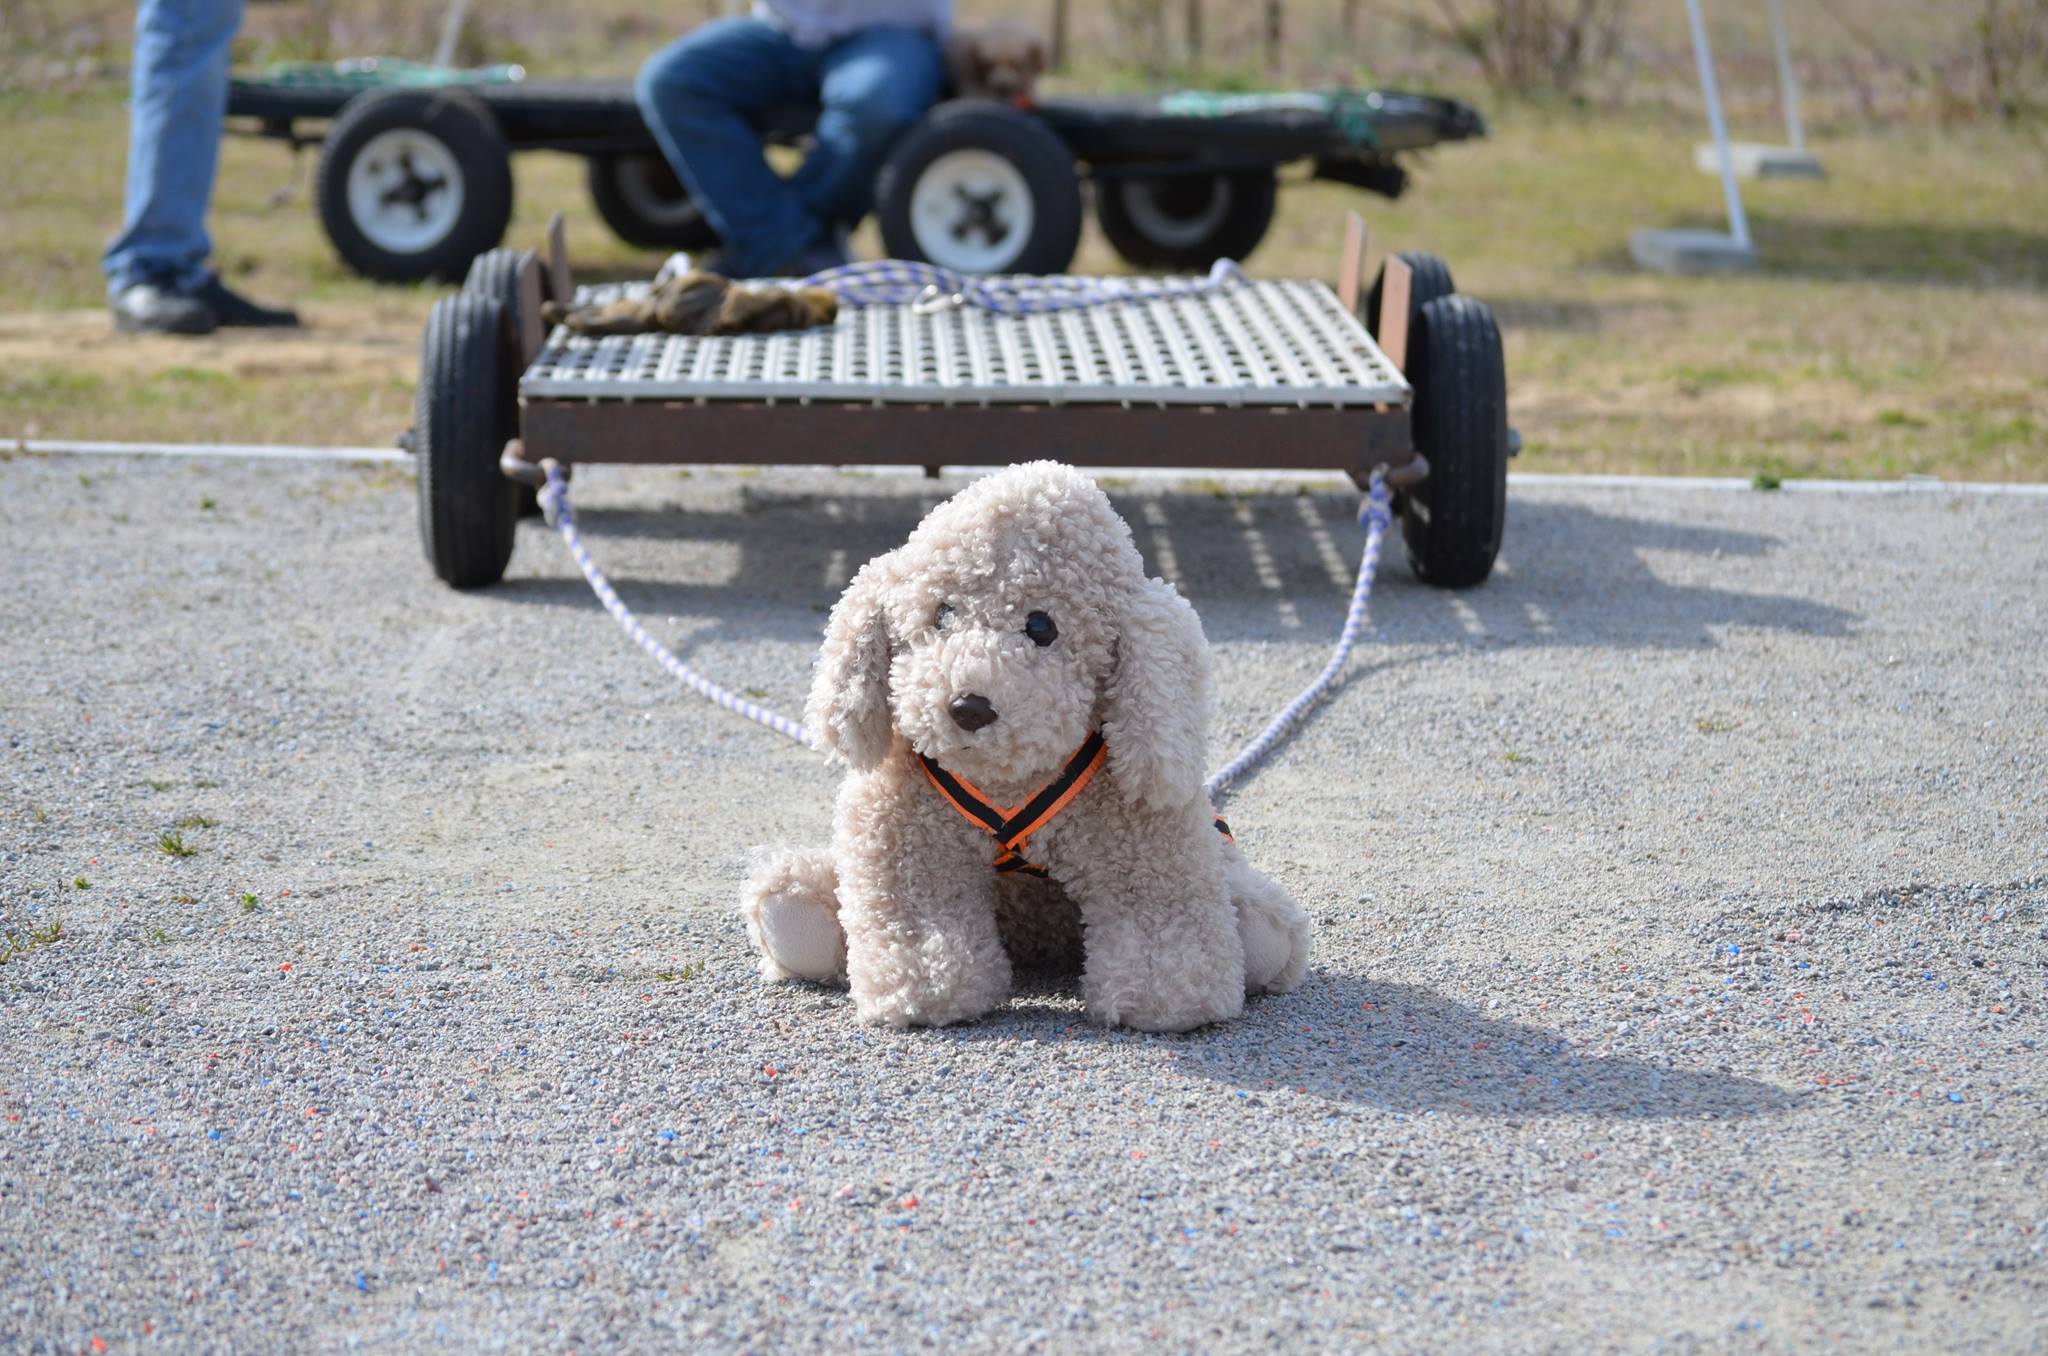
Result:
x=413 y=184
x=948 y=162
x=1186 y=221
x=468 y=508
x=1431 y=279
x=1452 y=521
x=495 y=273
x=641 y=199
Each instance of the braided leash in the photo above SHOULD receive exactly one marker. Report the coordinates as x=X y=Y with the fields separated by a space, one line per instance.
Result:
x=554 y=501
x=1374 y=515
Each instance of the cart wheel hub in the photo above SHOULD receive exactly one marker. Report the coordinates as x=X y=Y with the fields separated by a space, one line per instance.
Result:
x=1180 y=211
x=971 y=210
x=405 y=191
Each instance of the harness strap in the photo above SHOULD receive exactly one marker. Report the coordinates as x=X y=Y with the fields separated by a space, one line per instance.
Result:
x=1012 y=826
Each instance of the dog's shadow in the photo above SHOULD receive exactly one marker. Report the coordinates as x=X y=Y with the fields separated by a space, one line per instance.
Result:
x=1401 y=1048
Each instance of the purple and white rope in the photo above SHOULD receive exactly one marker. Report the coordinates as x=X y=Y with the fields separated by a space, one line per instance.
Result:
x=897 y=282
x=1374 y=516
x=554 y=501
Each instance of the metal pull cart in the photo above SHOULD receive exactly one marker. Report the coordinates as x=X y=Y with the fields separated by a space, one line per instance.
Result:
x=1271 y=375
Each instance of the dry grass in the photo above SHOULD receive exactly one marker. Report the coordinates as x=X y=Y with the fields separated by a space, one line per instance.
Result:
x=1900 y=325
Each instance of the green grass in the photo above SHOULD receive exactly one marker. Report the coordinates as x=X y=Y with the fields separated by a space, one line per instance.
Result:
x=1899 y=324
x=249 y=902
x=13 y=945
x=172 y=844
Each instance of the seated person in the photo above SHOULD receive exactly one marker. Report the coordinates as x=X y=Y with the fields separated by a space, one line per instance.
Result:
x=873 y=65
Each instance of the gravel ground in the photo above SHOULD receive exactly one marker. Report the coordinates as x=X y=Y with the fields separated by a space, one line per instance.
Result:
x=1682 y=953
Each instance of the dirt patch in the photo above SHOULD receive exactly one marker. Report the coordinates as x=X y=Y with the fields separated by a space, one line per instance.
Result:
x=340 y=340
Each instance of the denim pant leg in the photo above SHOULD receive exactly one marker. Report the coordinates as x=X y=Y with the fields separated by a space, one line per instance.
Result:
x=179 y=96
x=875 y=84
x=695 y=95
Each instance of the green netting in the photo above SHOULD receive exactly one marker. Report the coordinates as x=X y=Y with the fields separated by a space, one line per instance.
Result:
x=1350 y=109
x=379 y=72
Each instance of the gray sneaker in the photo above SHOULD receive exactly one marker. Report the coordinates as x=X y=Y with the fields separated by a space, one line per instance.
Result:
x=147 y=308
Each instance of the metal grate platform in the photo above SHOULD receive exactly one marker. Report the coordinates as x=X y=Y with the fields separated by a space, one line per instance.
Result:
x=1256 y=344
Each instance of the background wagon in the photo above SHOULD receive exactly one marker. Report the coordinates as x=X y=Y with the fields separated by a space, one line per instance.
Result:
x=415 y=181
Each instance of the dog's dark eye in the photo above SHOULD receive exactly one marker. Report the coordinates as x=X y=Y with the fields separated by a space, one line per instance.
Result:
x=1039 y=627
x=943 y=617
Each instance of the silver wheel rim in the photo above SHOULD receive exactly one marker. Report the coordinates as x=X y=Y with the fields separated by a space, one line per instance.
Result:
x=971 y=210
x=405 y=191
x=1145 y=201
x=638 y=179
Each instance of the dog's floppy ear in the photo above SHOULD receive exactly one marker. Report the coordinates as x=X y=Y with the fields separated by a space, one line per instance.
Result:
x=848 y=713
x=1156 y=706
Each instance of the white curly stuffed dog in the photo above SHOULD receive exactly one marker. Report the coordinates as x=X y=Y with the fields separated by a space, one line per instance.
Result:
x=1022 y=715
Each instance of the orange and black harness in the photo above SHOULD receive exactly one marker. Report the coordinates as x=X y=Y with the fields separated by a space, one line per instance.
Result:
x=1012 y=827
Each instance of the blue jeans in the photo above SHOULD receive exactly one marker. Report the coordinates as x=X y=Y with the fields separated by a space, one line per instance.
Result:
x=179 y=96
x=696 y=94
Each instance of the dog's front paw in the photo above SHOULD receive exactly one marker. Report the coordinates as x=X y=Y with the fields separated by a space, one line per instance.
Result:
x=920 y=1004
x=934 y=979
x=1178 y=1004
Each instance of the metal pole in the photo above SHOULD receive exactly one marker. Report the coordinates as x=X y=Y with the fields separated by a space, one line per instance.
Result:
x=451 y=32
x=1738 y=223
x=1788 y=84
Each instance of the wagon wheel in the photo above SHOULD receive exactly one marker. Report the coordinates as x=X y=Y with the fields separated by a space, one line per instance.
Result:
x=468 y=508
x=1185 y=221
x=1451 y=521
x=641 y=199
x=413 y=184
x=982 y=188
x=1429 y=278
x=495 y=273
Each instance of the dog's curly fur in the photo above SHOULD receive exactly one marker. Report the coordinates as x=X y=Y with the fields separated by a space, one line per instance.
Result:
x=1170 y=926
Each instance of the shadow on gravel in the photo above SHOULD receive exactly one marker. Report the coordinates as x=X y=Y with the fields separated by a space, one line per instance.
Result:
x=1406 y=1049
x=1270 y=567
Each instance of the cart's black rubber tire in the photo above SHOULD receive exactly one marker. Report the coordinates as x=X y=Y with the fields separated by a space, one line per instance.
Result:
x=641 y=199
x=972 y=168
x=1451 y=522
x=413 y=184
x=495 y=273
x=1431 y=279
x=1186 y=221
x=468 y=508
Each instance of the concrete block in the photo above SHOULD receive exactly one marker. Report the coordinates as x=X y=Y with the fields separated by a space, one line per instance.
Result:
x=1754 y=161
x=1690 y=252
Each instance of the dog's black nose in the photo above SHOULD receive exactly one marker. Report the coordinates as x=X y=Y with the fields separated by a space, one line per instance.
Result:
x=972 y=711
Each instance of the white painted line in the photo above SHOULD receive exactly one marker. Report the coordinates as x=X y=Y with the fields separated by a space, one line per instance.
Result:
x=1247 y=478
x=58 y=447
x=1794 y=485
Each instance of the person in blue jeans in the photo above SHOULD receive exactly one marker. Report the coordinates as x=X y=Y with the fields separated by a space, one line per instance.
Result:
x=873 y=65
x=157 y=277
